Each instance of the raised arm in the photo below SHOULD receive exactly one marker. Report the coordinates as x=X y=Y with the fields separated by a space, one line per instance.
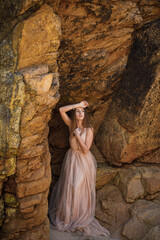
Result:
x=67 y=108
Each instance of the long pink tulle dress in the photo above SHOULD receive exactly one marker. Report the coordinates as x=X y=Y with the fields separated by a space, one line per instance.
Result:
x=72 y=203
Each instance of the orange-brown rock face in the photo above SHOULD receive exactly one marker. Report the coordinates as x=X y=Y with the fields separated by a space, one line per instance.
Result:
x=94 y=48
x=24 y=206
x=129 y=130
x=33 y=174
x=40 y=38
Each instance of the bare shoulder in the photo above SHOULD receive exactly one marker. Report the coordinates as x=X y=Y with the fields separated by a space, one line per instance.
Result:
x=90 y=129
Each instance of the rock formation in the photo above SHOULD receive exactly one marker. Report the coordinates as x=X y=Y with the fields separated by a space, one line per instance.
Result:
x=106 y=52
x=29 y=93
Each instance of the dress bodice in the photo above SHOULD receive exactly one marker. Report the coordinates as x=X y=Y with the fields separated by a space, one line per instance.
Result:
x=73 y=141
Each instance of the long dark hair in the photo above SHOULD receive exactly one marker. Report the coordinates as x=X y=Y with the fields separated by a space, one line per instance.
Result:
x=85 y=120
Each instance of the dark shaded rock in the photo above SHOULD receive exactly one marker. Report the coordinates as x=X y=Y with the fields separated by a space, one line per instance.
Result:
x=128 y=131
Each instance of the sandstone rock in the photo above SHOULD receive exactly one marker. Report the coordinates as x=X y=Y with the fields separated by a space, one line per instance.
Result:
x=12 y=88
x=98 y=113
x=10 y=165
x=111 y=209
x=152 y=157
x=39 y=78
x=128 y=131
x=40 y=38
x=134 y=229
x=92 y=55
x=37 y=217
x=30 y=201
x=27 y=210
x=130 y=184
x=154 y=234
x=38 y=232
x=10 y=212
x=34 y=187
x=29 y=4
x=34 y=71
x=37 y=95
x=30 y=174
x=30 y=139
x=33 y=152
x=105 y=175
x=158 y=197
x=149 y=10
x=97 y=154
x=10 y=200
x=12 y=95
x=49 y=99
x=151 y=196
x=144 y=216
x=28 y=220
x=9 y=11
x=151 y=179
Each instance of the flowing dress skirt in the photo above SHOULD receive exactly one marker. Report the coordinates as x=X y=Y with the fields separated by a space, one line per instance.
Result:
x=72 y=203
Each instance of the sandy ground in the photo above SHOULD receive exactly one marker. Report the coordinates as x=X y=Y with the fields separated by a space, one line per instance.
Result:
x=57 y=235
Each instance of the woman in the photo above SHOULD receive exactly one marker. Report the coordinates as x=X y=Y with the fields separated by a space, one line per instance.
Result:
x=72 y=204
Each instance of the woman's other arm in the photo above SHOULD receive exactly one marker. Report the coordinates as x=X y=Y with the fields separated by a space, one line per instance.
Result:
x=85 y=146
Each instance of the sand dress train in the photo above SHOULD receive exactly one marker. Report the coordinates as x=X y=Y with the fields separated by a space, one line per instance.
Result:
x=72 y=202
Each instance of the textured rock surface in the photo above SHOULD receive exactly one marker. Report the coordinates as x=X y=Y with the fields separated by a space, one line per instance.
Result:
x=129 y=131
x=94 y=48
x=154 y=234
x=123 y=204
x=144 y=216
x=33 y=174
x=111 y=208
x=11 y=100
x=28 y=96
x=130 y=184
x=40 y=38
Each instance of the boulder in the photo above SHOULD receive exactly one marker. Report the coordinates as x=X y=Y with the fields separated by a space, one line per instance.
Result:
x=151 y=179
x=130 y=184
x=111 y=208
x=105 y=174
x=143 y=216
x=153 y=234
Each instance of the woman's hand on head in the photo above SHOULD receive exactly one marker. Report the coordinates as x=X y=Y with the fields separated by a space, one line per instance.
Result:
x=84 y=104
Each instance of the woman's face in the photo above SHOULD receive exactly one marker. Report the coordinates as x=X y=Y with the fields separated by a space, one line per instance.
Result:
x=79 y=112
